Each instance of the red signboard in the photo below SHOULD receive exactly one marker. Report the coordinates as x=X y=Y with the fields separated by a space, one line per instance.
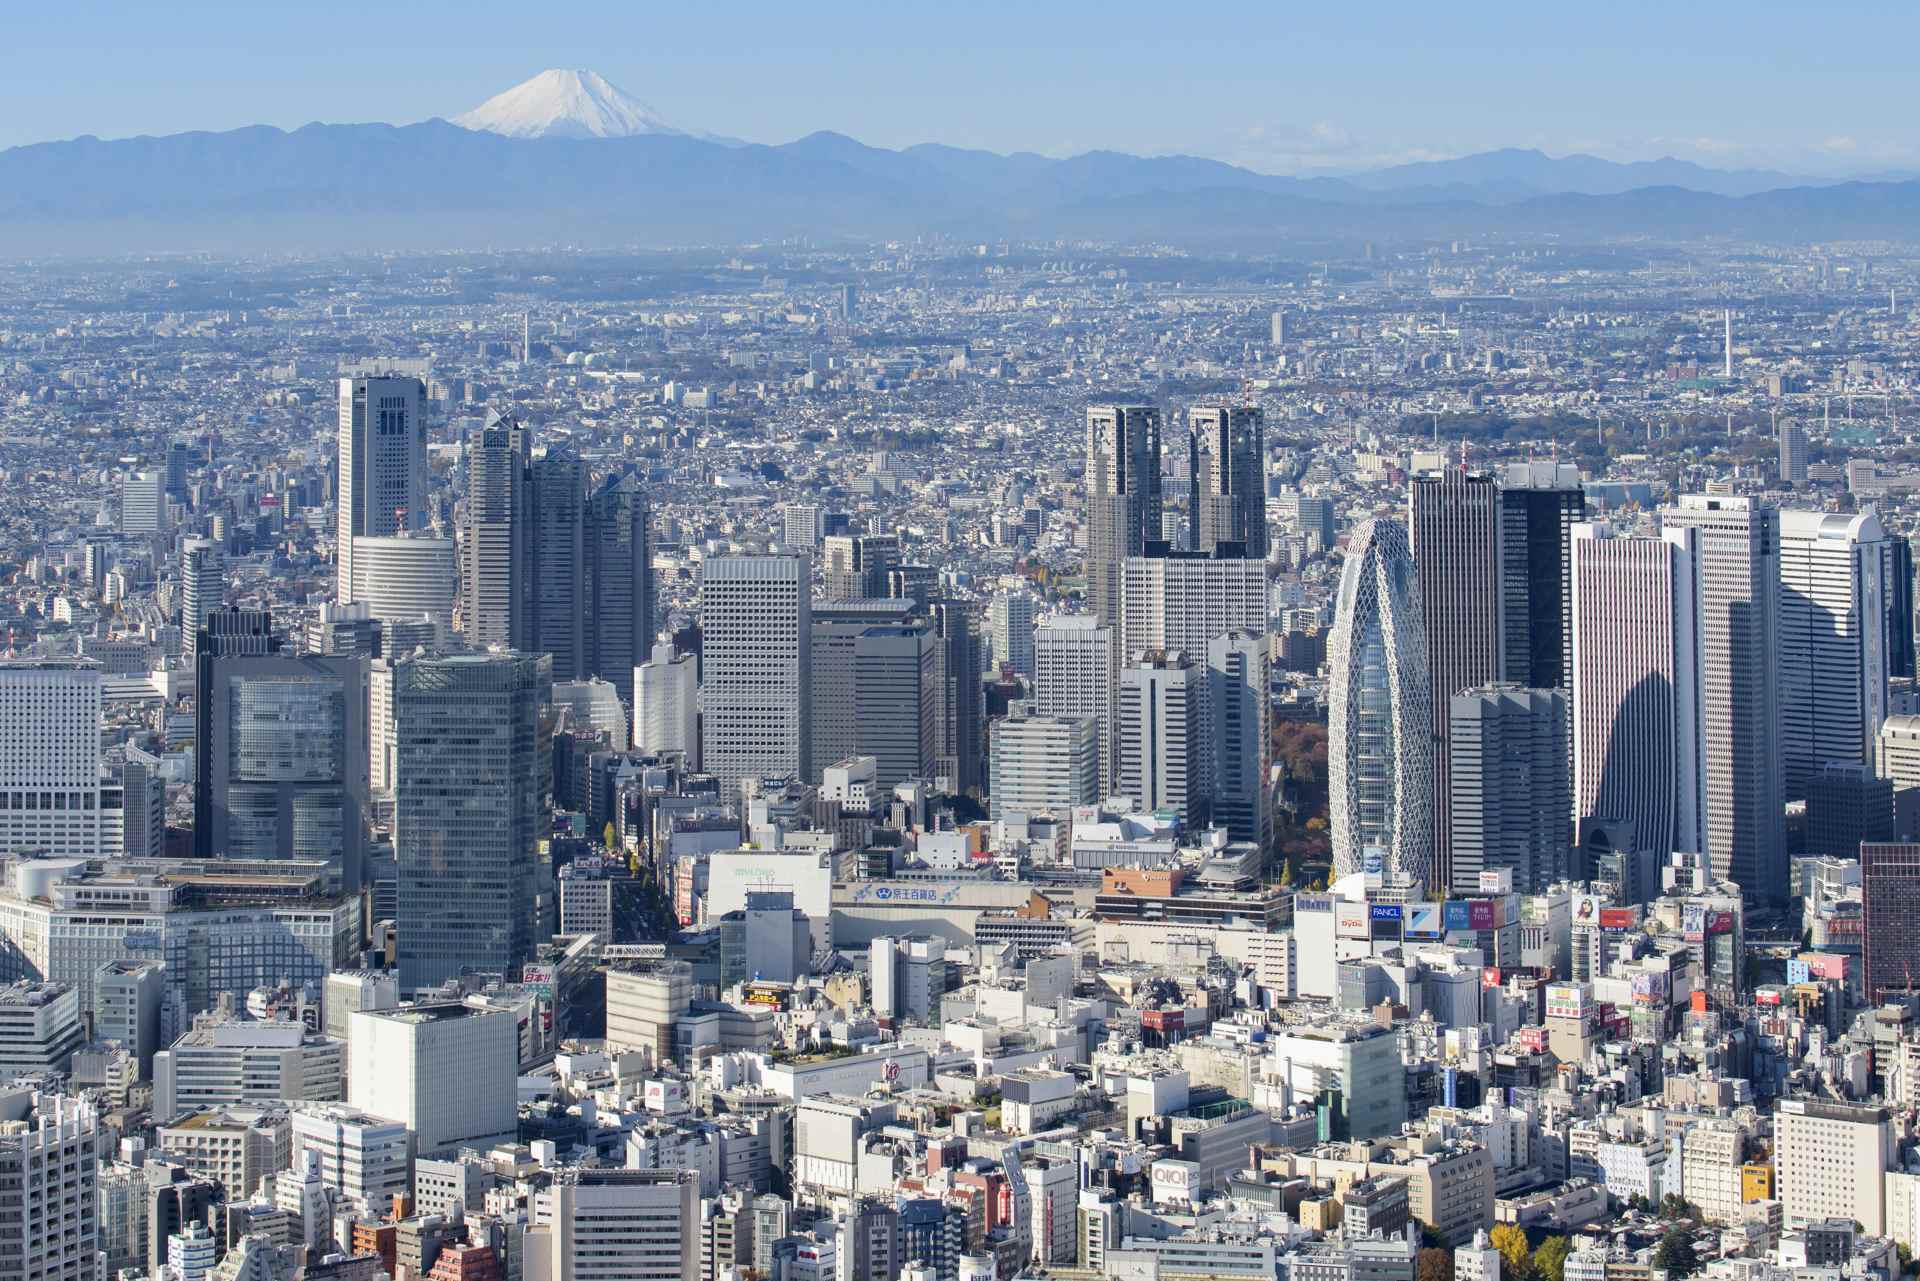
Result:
x=1616 y=918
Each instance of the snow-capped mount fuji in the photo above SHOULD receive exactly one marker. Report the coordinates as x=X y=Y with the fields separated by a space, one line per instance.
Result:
x=561 y=103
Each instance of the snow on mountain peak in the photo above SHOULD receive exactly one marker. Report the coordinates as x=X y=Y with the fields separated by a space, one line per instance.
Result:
x=566 y=104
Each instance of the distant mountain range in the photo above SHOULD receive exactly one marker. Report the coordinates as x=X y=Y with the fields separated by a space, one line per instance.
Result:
x=568 y=158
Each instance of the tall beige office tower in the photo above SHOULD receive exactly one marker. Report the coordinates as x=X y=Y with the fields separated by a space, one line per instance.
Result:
x=1123 y=496
x=1634 y=687
x=1229 y=499
x=383 y=465
x=756 y=625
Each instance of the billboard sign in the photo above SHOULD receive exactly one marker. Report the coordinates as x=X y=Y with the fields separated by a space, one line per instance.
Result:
x=1422 y=921
x=1480 y=914
x=1566 y=1001
x=1350 y=920
x=1457 y=916
x=1618 y=918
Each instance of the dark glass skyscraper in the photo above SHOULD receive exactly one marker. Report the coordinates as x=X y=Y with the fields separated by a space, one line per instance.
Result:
x=559 y=564
x=1512 y=794
x=469 y=771
x=1890 y=899
x=619 y=624
x=1455 y=531
x=1539 y=505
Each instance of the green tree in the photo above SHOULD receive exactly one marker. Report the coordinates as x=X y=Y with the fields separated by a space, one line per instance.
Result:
x=1516 y=1261
x=1436 y=1265
x=1675 y=1254
x=1550 y=1260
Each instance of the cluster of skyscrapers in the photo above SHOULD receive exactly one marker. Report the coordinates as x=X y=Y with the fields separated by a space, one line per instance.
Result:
x=1504 y=670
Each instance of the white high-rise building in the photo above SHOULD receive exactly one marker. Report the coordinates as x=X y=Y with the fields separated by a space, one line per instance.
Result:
x=1182 y=601
x=1074 y=666
x=383 y=465
x=802 y=526
x=203 y=583
x=666 y=704
x=1898 y=756
x=220 y=1063
x=143 y=503
x=1831 y=1160
x=1010 y=631
x=1161 y=709
x=1734 y=563
x=615 y=1225
x=1042 y=765
x=50 y=760
x=1835 y=571
x=756 y=629
x=446 y=1072
x=1634 y=678
x=363 y=1159
x=50 y=1220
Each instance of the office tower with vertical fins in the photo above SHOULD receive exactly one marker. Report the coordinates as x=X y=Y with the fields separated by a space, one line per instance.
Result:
x=1834 y=574
x=1380 y=713
x=383 y=465
x=1454 y=531
x=1734 y=545
x=1123 y=496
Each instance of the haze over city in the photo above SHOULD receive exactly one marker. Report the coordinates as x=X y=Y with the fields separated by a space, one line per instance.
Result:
x=997 y=643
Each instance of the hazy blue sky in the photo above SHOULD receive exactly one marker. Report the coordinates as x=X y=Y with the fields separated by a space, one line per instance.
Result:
x=1280 y=87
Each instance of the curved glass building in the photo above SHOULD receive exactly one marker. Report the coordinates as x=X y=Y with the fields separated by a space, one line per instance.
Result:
x=1380 y=714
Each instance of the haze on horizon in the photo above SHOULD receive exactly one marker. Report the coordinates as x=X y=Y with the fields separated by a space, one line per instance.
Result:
x=1312 y=90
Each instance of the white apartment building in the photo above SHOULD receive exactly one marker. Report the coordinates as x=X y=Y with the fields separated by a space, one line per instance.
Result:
x=50 y=760
x=363 y=1159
